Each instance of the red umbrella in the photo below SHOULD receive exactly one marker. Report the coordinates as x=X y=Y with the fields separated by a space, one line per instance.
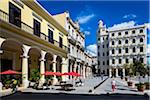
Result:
x=58 y=74
x=48 y=73
x=52 y=73
x=72 y=74
x=10 y=72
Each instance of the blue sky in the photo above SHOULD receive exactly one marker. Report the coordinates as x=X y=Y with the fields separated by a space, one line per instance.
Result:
x=90 y=12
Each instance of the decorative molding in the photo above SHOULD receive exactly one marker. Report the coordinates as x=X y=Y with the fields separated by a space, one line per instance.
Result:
x=18 y=3
x=37 y=16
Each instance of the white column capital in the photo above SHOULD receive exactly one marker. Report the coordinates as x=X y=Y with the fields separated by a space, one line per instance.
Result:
x=25 y=50
x=43 y=53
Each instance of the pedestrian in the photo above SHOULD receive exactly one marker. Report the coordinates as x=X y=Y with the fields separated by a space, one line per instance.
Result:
x=113 y=83
x=14 y=85
x=101 y=76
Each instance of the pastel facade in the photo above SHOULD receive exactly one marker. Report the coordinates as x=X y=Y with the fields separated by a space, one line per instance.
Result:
x=30 y=38
x=117 y=47
x=78 y=61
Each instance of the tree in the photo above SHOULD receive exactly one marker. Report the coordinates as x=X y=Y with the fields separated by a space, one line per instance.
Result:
x=139 y=68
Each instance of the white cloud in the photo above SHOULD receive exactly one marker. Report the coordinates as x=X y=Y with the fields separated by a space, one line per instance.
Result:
x=122 y=25
x=87 y=32
x=130 y=16
x=92 y=49
x=85 y=18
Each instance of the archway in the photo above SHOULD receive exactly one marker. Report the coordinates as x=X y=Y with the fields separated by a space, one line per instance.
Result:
x=49 y=62
x=34 y=63
x=11 y=58
x=59 y=66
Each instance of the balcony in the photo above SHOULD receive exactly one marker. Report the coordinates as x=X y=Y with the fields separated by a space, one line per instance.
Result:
x=78 y=44
x=5 y=17
x=71 y=40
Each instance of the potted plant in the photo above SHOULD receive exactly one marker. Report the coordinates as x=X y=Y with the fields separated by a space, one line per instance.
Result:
x=140 y=87
x=147 y=85
x=126 y=79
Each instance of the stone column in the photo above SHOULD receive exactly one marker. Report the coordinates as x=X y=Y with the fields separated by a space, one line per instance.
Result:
x=54 y=69
x=42 y=67
x=123 y=72
x=64 y=68
x=116 y=72
x=74 y=67
x=84 y=71
x=110 y=72
x=25 y=57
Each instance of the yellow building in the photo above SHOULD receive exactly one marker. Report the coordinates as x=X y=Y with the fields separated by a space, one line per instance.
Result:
x=31 y=39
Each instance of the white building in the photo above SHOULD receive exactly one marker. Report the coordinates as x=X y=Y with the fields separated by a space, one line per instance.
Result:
x=117 y=47
x=76 y=44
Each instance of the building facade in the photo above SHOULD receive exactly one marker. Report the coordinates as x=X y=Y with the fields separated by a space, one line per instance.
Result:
x=30 y=38
x=76 y=43
x=117 y=47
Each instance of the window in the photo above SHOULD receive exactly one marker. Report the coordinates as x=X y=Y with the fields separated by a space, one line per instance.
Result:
x=107 y=45
x=103 y=54
x=133 y=32
x=103 y=38
x=113 y=61
x=98 y=39
x=50 y=36
x=60 y=42
x=98 y=54
x=14 y=15
x=141 y=30
x=119 y=50
x=126 y=41
x=113 y=42
x=141 y=60
x=126 y=33
x=133 y=49
x=107 y=62
x=69 y=48
x=103 y=62
x=113 y=51
x=103 y=46
x=69 y=26
x=119 y=33
x=120 y=61
x=134 y=60
x=99 y=63
x=98 y=47
x=107 y=53
x=106 y=38
x=141 y=39
x=37 y=27
x=133 y=41
x=141 y=49
x=127 y=60
x=119 y=42
x=113 y=34
x=126 y=50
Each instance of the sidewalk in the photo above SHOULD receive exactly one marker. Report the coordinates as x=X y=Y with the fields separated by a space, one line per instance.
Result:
x=121 y=88
x=89 y=84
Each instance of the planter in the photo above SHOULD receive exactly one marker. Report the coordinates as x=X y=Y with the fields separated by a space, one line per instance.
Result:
x=130 y=83
x=147 y=86
x=141 y=87
x=126 y=79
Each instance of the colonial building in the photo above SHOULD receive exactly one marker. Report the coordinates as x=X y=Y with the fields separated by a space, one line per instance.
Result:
x=117 y=47
x=30 y=38
x=76 y=44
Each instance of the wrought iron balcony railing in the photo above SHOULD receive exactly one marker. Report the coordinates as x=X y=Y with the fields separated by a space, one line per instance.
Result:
x=5 y=17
